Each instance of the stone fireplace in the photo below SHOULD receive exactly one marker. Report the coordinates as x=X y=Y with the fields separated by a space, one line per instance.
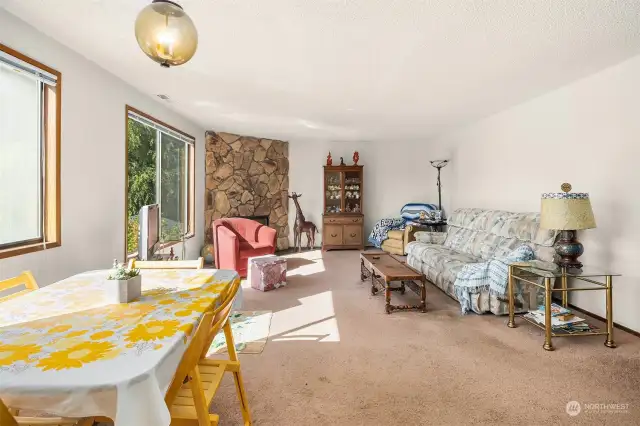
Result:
x=247 y=177
x=264 y=219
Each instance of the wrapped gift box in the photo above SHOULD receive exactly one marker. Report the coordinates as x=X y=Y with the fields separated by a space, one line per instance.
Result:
x=267 y=272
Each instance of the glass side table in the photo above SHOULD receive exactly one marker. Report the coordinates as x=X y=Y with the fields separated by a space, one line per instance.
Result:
x=546 y=279
x=432 y=226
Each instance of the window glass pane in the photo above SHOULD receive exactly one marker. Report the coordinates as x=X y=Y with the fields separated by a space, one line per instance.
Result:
x=172 y=187
x=141 y=174
x=20 y=156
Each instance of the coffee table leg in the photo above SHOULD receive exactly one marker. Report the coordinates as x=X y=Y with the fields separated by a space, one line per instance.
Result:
x=423 y=294
x=387 y=296
x=362 y=269
x=374 y=290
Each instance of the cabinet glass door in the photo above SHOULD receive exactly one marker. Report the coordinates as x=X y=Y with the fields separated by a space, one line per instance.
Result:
x=352 y=192
x=333 y=192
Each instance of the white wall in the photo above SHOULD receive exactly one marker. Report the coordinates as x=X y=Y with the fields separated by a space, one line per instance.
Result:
x=586 y=133
x=93 y=159
x=395 y=173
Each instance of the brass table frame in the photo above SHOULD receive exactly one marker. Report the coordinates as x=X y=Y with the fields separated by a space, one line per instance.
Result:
x=607 y=286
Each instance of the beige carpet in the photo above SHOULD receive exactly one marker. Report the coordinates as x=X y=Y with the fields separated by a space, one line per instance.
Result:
x=335 y=358
x=250 y=332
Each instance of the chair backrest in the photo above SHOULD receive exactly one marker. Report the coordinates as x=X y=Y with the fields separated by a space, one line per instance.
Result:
x=221 y=314
x=190 y=358
x=245 y=229
x=24 y=279
x=209 y=326
x=167 y=264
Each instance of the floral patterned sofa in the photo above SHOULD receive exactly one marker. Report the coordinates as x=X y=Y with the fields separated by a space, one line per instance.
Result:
x=476 y=235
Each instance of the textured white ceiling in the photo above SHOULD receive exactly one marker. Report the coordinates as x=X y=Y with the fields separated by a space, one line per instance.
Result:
x=352 y=69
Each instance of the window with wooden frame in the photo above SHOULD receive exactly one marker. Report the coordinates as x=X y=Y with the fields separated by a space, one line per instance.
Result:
x=160 y=170
x=30 y=124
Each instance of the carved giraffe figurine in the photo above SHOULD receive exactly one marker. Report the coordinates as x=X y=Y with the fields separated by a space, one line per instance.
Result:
x=301 y=225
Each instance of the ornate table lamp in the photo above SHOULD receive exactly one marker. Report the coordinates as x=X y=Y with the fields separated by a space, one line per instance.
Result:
x=567 y=211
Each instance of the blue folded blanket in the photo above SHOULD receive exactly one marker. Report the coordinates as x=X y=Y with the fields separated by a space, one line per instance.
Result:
x=491 y=275
x=411 y=211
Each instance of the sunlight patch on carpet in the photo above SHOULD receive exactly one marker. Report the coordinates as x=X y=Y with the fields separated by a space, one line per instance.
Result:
x=304 y=263
x=314 y=319
x=322 y=331
x=250 y=331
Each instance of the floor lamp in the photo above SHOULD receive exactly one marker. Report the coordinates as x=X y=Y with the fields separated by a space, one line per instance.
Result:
x=439 y=164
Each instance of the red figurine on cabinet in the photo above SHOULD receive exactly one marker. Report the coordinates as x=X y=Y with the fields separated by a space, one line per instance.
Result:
x=356 y=157
x=329 y=159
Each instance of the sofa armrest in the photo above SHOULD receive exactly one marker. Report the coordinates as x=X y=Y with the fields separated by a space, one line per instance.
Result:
x=430 y=237
x=227 y=248
x=409 y=234
x=267 y=235
x=540 y=264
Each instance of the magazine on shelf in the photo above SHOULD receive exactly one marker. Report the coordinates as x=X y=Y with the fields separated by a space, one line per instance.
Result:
x=582 y=327
x=539 y=317
x=555 y=310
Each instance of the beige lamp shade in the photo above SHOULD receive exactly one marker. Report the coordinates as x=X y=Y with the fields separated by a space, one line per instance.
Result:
x=566 y=211
x=166 y=33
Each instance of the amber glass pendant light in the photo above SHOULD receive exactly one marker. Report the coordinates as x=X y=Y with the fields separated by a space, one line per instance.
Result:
x=166 y=34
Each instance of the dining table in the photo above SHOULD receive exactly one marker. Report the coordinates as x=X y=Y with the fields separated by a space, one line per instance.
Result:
x=66 y=349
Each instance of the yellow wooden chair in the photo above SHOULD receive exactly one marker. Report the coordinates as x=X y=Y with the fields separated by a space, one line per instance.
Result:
x=6 y=418
x=188 y=374
x=10 y=418
x=24 y=279
x=189 y=400
x=167 y=264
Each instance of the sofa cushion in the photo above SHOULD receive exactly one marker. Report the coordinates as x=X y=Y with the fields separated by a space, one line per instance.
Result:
x=439 y=264
x=391 y=246
x=395 y=235
x=436 y=254
x=490 y=233
x=399 y=244
x=482 y=244
x=430 y=237
x=523 y=226
x=457 y=238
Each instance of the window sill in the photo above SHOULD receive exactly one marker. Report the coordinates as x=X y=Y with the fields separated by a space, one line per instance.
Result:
x=163 y=246
x=29 y=248
x=173 y=243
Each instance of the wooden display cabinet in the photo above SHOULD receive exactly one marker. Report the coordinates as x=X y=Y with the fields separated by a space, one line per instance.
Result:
x=343 y=217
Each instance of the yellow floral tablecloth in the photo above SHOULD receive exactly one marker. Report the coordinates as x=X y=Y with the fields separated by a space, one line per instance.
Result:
x=67 y=350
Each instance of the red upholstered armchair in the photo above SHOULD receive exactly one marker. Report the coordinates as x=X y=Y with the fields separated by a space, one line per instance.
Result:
x=236 y=239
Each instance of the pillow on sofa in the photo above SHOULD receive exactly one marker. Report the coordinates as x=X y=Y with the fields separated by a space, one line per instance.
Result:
x=430 y=237
x=412 y=211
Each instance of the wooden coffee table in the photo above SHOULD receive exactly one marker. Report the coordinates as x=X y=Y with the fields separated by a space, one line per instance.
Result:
x=383 y=269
